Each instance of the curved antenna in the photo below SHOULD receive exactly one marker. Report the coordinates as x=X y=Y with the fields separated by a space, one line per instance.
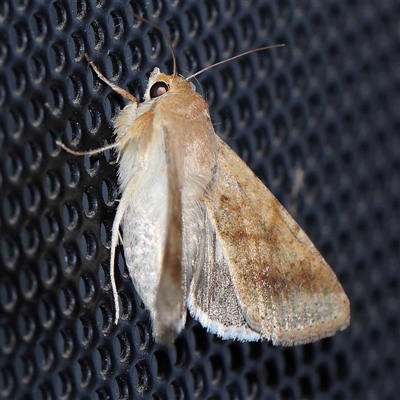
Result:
x=165 y=35
x=233 y=58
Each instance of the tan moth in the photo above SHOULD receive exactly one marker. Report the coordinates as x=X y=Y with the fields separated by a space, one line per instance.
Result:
x=202 y=232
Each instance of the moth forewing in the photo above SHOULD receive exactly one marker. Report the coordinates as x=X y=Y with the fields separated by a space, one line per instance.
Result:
x=284 y=287
x=171 y=292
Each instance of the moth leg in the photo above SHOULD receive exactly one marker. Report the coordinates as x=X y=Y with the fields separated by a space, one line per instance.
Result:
x=113 y=86
x=88 y=152
x=115 y=236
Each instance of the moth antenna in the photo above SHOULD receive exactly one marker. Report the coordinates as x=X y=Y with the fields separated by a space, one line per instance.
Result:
x=165 y=35
x=233 y=58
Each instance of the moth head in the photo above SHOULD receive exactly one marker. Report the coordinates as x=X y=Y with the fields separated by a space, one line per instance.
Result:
x=160 y=84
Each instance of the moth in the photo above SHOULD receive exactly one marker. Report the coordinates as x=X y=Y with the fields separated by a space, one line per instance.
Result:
x=202 y=232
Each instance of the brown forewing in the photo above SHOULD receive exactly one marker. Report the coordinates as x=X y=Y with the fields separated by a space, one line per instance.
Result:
x=170 y=299
x=285 y=288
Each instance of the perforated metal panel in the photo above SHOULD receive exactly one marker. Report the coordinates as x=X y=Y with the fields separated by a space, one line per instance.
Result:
x=318 y=121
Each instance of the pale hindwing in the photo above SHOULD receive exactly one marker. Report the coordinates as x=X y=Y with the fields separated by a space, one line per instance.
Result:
x=262 y=266
x=212 y=298
x=145 y=220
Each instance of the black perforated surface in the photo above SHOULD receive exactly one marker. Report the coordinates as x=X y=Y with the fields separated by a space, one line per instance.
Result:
x=318 y=121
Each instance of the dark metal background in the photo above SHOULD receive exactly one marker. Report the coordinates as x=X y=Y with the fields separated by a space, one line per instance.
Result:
x=318 y=121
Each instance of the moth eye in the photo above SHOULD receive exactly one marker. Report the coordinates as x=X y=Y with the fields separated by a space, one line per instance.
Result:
x=158 y=89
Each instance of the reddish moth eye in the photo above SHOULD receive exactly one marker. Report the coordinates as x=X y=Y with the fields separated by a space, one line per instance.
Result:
x=158 y=89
